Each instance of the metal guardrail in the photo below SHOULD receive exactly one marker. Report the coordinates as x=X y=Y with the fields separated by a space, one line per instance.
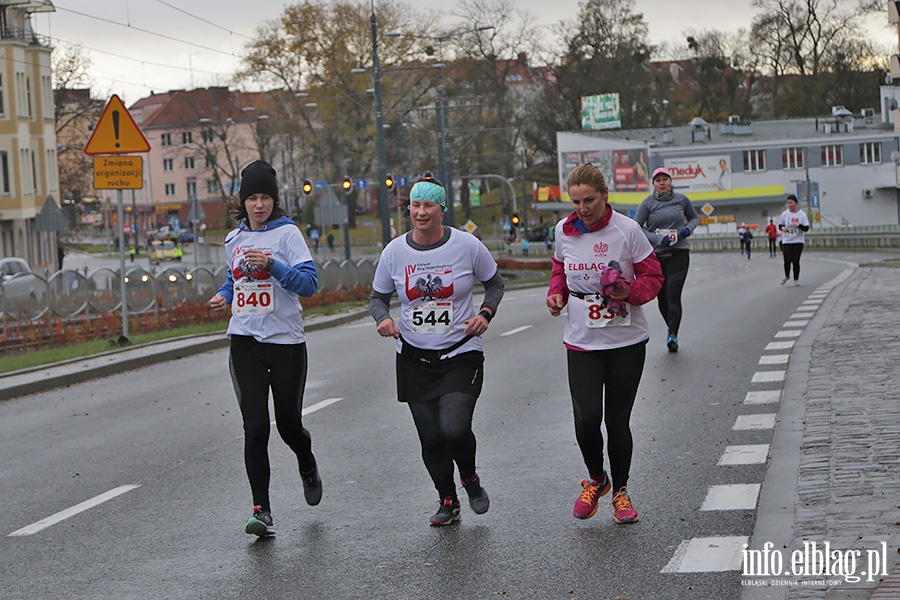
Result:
x=836 y=237
x=70 y=293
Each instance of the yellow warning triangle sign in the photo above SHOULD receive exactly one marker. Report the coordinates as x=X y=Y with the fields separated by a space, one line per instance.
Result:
x=116 y=132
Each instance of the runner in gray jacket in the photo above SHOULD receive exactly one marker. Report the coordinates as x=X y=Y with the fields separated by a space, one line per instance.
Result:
x=668 y=219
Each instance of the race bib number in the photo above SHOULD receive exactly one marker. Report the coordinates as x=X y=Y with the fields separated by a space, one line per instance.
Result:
x=598 y=316
x=791 y=231
x=431 y=317
x=253 y=298
x=672 y=234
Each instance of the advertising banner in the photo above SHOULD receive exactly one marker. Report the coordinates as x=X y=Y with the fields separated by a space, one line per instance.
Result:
x=624 y=170
x=700 y=173
x=601 y=112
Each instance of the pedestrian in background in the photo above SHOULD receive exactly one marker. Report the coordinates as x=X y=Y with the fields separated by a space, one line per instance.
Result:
x=741 y=231
x=747 y=240
x=793 y=224
x=772 y=235
x=605 y=352
x=440 y=359
x=668 y=219
x=269 y=265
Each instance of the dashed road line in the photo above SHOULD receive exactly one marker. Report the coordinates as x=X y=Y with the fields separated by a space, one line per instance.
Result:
x=774 y=359
x=768 y=376
x=746 y=454
x=72 y=511
x=735 y=496
x=779 y=346
x=515 y=331
x=754 y=422
x=701 y=555
x=763 y=397
x=788 y=333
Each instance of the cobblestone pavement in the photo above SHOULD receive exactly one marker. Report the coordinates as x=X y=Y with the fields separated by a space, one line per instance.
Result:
x=847 y=425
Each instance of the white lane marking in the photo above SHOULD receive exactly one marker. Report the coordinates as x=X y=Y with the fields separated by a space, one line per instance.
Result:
x=801 y=315
x=788 y=333
x=515 y=331
x=701 y=555
x=74 y=510
x=806 y=311
x=767 y=376
x=774 y=359
x=754 y=422
x=779 y=345
x=763 y=397
x=314 y=407
x=810 y=303
x=319 y=405
x=749 y=454
x=817 y=296
x=736 y=496
x=797 y=323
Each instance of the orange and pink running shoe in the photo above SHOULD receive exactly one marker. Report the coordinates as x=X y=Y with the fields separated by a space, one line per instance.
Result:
x=586 y=505
x=623 y=510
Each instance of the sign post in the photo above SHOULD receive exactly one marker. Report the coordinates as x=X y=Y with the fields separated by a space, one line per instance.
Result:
x=116 y=133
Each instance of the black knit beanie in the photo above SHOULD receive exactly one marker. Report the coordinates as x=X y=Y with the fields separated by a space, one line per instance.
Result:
x=258 y=178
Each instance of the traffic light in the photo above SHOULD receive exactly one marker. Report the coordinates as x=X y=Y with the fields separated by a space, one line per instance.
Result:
x=389 y=181
x=347 y=184
x=515 y=219
x=307 y=186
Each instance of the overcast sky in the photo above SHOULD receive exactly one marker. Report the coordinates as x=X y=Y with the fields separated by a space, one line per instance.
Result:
x=146 y=56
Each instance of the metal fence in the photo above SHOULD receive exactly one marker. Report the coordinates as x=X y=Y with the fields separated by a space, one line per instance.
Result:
x=71 y=293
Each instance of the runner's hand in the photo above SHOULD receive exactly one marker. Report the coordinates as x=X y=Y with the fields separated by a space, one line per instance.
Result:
x=218 y=303
x=476 y=325
x=388 y=328
x=555 y=304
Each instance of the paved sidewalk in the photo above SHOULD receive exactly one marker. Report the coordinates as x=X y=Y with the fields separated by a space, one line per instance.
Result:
x=835 y=468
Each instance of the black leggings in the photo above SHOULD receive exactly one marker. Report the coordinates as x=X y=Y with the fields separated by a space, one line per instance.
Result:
x=255 y=367
x=610 y=378
x=792 y=254
x=445 y=432
x=675 y=270
x=772 y=246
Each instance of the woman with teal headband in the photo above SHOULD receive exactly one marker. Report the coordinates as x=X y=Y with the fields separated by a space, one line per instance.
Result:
x=434 y=269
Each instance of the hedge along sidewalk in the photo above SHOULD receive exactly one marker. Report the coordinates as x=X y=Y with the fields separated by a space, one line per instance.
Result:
x=46 y=377
x=68 y=372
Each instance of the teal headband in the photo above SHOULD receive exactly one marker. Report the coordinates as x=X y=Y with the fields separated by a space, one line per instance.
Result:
x=432 y=192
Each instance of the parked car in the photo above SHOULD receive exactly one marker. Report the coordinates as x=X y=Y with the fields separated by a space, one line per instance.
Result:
x=163 y=250
x=17 y=282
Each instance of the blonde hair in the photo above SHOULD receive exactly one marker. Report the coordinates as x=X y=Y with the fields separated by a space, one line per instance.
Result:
x=587 y=174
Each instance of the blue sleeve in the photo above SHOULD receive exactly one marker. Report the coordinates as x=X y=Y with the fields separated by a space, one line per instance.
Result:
x=301 y=279
x=227 y=289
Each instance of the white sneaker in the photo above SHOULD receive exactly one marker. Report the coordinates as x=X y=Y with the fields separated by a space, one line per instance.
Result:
x=796 y=282
x=784 y=281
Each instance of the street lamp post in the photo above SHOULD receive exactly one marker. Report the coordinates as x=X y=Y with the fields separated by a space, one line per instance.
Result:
x=383 y=207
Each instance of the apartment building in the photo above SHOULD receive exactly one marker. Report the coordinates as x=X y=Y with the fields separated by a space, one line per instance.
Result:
x=28 y=154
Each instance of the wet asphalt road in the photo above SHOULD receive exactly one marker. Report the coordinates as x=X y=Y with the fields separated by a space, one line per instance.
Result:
x=174 y=430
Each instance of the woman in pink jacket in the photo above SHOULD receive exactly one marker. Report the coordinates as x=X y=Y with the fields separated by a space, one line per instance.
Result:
x=606 y=331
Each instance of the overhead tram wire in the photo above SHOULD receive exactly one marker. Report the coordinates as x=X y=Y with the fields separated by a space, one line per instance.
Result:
x=147 y=31
x=181 y=10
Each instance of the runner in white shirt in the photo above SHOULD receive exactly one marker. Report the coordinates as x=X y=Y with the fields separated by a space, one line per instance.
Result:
x=793 y=224
x=434 y=269
x=606 y=343
x=269 y=265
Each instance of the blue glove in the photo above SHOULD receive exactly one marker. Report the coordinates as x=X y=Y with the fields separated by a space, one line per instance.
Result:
x=664 y=243
x=685 y=232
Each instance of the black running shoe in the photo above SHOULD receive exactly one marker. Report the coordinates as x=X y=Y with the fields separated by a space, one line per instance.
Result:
x=260 y=523
x=447 y=513
x=478 y=497
x=312 y=486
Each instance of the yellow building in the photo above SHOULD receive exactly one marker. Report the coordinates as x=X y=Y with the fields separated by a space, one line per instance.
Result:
x=28 y=163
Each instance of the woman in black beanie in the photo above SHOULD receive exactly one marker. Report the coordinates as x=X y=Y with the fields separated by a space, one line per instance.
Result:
x=269 y=266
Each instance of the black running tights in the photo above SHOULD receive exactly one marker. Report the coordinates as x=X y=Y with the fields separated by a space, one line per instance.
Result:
x=675 y=270
x=605 y=379
x=445 y=432
x=792 y=254
x=256 y=367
